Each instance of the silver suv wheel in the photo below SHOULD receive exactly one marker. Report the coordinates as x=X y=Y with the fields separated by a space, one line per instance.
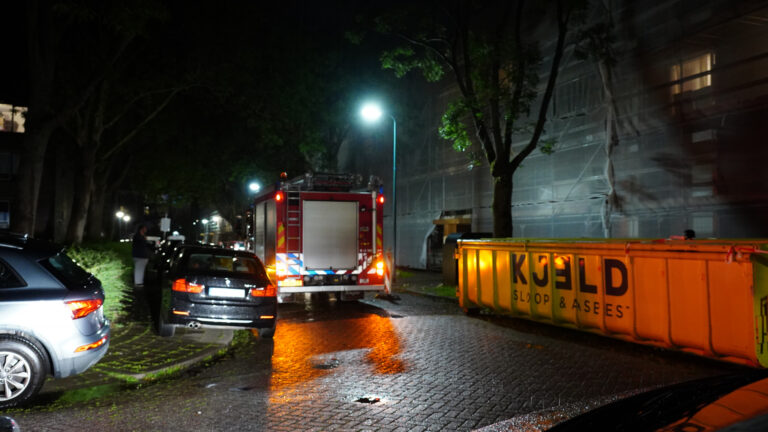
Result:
x=23 y=369
x=15 y=374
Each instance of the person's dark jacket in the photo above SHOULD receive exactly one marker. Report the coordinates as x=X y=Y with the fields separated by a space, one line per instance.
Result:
x=140 y=248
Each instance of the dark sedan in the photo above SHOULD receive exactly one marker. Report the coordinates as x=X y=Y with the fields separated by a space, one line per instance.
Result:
x=216 y=287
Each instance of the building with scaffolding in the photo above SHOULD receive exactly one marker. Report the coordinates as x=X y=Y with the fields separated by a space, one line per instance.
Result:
x=672 y=138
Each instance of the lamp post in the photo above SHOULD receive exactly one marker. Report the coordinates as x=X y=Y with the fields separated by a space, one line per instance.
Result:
x=216 y=219
x=205 y=238
x=371 y=112
x=119 y=215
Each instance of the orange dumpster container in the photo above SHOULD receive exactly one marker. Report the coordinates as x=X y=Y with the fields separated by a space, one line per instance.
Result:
x=709 y=297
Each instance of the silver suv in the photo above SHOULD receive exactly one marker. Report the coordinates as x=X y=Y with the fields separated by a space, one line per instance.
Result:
x=51 y=318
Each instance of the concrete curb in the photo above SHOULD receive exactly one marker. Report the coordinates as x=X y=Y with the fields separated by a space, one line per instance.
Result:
x=224 y=339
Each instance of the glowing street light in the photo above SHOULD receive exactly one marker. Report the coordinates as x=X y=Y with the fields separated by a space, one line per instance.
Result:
x=254 y=186
x=372 y=112
x=205 y=238
x=121 y=217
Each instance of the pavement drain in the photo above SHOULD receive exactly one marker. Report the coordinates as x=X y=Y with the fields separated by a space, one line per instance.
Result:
x=366 y=400
x=331 y=364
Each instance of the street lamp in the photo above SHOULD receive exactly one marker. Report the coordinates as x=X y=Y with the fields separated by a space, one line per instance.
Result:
x=254 y=186
x=372 y=112
x=119 y=215
x=205 y=238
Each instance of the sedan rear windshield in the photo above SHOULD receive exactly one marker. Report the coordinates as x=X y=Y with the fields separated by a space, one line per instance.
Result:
x=203 y=262
x=66 y=269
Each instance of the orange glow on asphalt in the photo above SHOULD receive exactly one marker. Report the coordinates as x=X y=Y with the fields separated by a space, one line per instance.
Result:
x=301 y=351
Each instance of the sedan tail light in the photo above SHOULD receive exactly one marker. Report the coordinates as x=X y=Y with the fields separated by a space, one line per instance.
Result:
x=182 y=285
x=81 y=308
x=268 y=291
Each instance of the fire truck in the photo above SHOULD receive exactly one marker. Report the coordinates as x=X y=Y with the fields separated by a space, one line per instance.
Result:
x=321 y=233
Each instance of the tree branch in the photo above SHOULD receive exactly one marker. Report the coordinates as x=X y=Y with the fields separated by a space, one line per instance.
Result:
x=467 y=85
x=126 y=107
x=141 y=124
x=495 y=98
x=519 y=80
x=562 y=30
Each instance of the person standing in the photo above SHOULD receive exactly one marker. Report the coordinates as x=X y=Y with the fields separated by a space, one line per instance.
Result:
x=140 y=253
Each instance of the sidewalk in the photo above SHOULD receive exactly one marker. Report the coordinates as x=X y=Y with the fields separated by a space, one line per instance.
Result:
x=423 y=282
x=136 y=353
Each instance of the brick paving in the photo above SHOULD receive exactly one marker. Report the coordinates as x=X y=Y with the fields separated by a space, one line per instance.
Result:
x=430 y=367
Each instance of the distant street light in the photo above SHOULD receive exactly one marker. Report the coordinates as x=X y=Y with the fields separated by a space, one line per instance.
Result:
x=372 y=112
x=121 y=217
x=254 y=186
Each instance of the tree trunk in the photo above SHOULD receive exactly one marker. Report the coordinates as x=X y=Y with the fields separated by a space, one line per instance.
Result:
x=83 y=191
x=30 y=176
x=63 y=192
x=502 y=206
x=96 y=228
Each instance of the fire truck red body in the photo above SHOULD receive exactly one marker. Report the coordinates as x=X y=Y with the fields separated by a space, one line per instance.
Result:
x=321 y=233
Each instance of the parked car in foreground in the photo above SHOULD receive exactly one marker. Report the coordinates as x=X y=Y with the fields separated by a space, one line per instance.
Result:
x=734 y=402
x=51 y=318
x=216 y=287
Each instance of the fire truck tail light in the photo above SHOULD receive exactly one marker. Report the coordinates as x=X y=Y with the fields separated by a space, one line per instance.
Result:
x=181 y=285
x=279 y=196
x=380 y=268
x=381 y=199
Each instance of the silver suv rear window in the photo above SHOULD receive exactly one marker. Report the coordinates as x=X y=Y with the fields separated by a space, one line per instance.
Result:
x=67 y=270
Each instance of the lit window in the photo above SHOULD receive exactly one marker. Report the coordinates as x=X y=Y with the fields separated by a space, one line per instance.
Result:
x=12 y=118
x=691 y=67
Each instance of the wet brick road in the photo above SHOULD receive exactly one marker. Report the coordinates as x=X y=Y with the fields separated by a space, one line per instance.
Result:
x=416 y=365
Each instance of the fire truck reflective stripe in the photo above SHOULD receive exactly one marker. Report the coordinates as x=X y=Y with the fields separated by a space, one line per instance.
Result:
x=291 y=262
x=280 y=235
x=372 y=271
x=379 y=237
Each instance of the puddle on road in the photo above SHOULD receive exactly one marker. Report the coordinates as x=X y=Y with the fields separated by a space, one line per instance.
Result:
x=330 y=364
x=366 y=400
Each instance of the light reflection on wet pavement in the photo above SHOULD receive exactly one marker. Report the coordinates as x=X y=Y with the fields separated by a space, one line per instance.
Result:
x=413 y=364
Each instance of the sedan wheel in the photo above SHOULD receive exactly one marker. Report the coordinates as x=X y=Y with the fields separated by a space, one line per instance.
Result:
x=22 y=371
x=268 y=332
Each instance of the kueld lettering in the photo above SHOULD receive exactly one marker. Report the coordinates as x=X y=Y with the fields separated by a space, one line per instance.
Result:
x=517 y=265
x=544 y=280
x=564 y=273
x=583 y=285
x=613 y=288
